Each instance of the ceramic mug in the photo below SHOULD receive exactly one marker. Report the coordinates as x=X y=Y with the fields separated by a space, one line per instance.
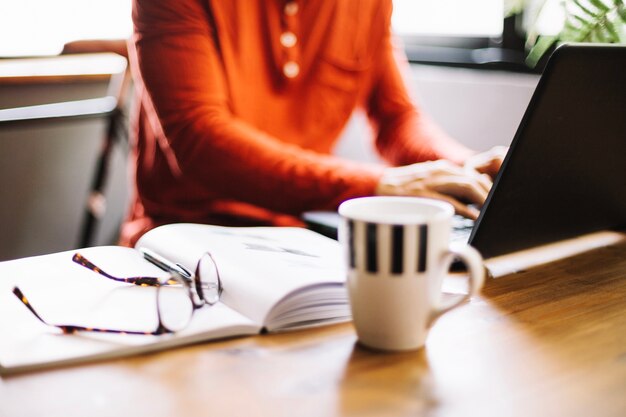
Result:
x=398 y=251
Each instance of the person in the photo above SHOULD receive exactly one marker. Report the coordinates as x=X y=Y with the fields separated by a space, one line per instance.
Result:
x=239 y=105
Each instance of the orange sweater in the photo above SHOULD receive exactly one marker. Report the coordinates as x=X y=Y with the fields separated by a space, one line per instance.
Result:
x=241 y=101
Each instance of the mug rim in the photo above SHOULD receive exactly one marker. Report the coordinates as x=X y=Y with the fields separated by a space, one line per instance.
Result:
x=446 y=210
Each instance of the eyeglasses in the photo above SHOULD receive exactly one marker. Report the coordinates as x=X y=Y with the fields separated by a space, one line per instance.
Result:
x=177 y=296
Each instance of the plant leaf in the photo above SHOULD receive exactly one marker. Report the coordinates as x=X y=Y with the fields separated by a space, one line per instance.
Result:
x=599 y=4
x=539 y=49
x=612 y=30
x=584 y=22
x=621 y=10
x=585 y=9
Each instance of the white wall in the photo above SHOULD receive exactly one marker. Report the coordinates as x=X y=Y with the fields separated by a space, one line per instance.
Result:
x=480 y=108
x=45 y=170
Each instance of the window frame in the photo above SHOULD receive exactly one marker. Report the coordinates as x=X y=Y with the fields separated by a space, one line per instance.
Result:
x=505 y=52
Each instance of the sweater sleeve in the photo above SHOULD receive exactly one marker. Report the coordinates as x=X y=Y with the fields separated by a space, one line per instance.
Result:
x=405 y=134
x=180 y=68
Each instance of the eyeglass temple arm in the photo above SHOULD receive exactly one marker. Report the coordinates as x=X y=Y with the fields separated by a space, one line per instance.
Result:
x=18 y=293
x=142 y=281
x=70 y=328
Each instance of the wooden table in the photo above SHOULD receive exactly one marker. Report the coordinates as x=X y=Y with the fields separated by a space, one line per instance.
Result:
x=550 y=341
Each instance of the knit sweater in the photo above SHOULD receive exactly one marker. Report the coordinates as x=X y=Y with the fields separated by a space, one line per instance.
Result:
x=240 y=103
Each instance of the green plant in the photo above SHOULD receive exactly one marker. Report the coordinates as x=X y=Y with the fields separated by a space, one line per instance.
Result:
x=598 y=21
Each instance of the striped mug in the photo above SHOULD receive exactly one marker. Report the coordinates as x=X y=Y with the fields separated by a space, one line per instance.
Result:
x=398 y=251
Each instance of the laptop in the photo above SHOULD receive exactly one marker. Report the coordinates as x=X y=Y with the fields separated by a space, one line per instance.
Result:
x=565 y=172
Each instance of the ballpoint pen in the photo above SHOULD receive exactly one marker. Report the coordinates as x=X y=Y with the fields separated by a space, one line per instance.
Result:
x=165 y=264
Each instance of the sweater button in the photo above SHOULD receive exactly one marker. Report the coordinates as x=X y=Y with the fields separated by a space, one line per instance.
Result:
x=291 y=8
x=288 y=39
x=291 y=69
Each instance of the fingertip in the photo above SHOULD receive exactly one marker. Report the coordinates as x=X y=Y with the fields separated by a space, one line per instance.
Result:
x=467 y=211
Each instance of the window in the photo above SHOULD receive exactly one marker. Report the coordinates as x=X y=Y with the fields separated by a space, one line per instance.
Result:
x=473 y=33
x=42 y=27
x=459 y=33
x=449 y=18
x=450 y=32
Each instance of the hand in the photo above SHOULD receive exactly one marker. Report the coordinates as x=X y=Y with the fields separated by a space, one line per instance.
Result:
x=442 y=180
x=488 y=162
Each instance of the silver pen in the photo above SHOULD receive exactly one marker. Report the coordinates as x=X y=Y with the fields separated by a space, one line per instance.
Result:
x=165 y=264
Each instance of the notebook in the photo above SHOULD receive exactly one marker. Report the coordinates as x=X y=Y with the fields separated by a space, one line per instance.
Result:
x=565 y=172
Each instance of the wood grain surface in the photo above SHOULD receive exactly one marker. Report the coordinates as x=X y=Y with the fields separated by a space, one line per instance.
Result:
x=550 y=341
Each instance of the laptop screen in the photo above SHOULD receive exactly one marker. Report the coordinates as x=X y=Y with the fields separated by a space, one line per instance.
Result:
x=565 y=173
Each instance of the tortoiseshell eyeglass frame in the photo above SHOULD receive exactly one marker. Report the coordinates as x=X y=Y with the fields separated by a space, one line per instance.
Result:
x=174 y=279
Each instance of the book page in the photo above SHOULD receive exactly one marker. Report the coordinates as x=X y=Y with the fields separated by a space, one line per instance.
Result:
x=63 y=292
x=259 y=266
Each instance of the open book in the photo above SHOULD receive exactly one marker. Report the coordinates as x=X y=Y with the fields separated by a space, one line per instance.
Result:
x=273 y=279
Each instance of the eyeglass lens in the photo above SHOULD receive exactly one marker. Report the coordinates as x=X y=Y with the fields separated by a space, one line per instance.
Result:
x=174 y=305
x=209 y=288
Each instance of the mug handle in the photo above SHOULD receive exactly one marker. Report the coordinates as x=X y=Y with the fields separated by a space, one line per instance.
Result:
x=473 y=261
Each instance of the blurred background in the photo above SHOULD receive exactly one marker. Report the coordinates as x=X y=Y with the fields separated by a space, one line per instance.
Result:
x=467 y=69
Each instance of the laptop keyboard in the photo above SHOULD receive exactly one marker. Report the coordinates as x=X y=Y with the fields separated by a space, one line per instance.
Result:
x=326 y=223
x=461 y=229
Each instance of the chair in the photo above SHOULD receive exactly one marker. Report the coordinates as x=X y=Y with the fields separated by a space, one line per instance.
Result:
x=33 y=128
